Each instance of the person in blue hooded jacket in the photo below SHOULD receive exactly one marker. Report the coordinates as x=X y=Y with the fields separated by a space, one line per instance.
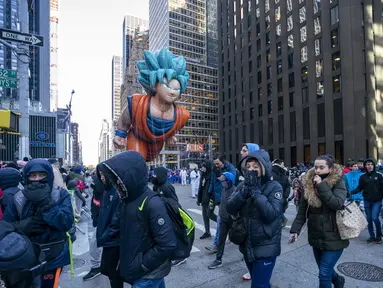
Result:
x=44 y=213
x=10 y=179
x=259 y=199
x=351 y=180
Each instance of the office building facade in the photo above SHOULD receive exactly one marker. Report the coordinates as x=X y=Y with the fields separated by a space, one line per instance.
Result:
x=128 y=32
x=116 y=86
x=300 y=78
x=54 y=23
x=75 y=143
x=188 y=28
x=104 y=142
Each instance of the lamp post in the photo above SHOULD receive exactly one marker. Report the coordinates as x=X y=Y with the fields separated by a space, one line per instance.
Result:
x=70 y=129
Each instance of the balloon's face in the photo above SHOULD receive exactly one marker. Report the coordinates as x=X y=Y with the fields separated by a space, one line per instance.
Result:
x=169 y=92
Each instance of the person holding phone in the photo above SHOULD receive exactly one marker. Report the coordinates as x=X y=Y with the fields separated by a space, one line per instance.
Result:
x=324 y=194
x=260 y=200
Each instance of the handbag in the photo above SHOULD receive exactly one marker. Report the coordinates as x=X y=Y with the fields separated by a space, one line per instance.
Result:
x=238 y=232
x=350 y=221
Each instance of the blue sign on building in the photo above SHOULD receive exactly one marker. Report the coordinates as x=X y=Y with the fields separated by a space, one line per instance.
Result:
x=40 y=140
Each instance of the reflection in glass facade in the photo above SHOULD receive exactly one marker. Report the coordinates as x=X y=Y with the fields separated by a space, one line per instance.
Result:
x=189 y=28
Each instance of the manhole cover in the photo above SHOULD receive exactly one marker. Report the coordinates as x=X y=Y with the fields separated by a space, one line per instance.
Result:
x=78 y=263
x=361 y=271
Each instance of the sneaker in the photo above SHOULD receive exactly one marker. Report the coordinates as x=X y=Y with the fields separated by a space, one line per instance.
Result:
x=215 y=264
x=205 y=236
x=212 y=248
x=246 y=277
x=339 y=282
x=178 y=262
x=93 y=273
x=378 y=240
x=370 y=240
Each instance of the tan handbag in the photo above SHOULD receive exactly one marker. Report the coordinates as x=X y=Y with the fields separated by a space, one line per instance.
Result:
x=350 y=221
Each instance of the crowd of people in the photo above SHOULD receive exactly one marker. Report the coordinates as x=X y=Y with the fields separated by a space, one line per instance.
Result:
x=135 y=239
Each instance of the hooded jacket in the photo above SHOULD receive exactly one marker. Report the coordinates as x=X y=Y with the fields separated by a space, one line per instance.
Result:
x=320 y=205
x=58 y=218
x=351 y=180
x=251 y=147
x=9 y=182
x=204 y=184
x=263 y=212
x=161 y=184
x=142 y=255
x=226 y=193
x=215 y=188
x=280 y=175
x=98 y=190
x=371 y=184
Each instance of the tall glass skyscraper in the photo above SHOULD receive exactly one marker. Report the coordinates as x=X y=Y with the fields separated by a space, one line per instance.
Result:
x=116 y=86
x=188 y=28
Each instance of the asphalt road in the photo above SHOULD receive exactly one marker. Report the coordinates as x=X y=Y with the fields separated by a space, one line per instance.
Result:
x=295 y=267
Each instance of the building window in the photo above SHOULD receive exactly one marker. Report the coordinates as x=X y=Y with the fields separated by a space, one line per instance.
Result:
x=281 y=130
x=280 y=103
x=334 y=38
x=268 y=72
x=321 y=149
x=291 y=80
x=302 y=14
x=319 y=67
x=293 y=156
x=251 y=97
x=290 y=41
x=259 y=61
x=260 y=132
x=321 y=120
x=252 y=114
x=260 y=77
x=339 y=151
x=334 y=15
x=279 y=67
x=270 y=132
x=289 y=6
x=317 y=44
x=267 y=24
x=267 y=6
x=317 y=26
x=251 y=82
x=291 y=60
x=305 y=95
x=279 y=30
x=269 y=89
x=279 y=85
x=304 y=54
x=279 y=49
x=320 y=89
x=258 y=13
x=306 y=154
x=277 y=14
x=268 y=41
x=260 y=111
x=268 y=56
x=305 y=74
x=338 y=117
x=250 y=66
x=289 y=23
x=258 y=29
x=293 y=126
x=291 y=99
x=336 y=61
x=259 y=93
x=336 y=84
x=316 y=6
x=269 y=107
x=306 y=123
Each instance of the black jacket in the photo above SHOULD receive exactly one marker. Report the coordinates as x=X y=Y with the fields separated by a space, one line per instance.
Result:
x=263 y=212
x=320 y=206
x=98 y=190
x=280 y=175
x=161 y=184
x=143 y=255
x=10 y=179
x=204 y=184
x=371 y=184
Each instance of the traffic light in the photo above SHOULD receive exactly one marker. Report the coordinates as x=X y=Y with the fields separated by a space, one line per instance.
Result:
x=9 y=120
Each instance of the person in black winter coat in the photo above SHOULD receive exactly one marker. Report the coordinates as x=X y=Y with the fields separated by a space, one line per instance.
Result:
x=161 y=184
x=280 y=174
x=204 y=198
x=147 y=236
x=10 y=179
x=371 y=183
x=260 y=200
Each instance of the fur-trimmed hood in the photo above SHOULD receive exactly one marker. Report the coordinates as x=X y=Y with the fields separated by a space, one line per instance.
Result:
x=309 y=191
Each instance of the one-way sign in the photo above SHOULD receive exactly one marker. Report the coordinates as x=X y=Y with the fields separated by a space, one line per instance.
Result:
x=17 y=36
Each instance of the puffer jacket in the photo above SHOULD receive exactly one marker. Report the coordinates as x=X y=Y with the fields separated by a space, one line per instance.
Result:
x=215 y=189
x=351 y=180
x=226 y=193
x=10 y=179
x=280 y=175
x=263 y=212
x=321 y=205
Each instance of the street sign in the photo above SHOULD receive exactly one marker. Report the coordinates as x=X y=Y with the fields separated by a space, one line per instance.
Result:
x=17 y=36
x=8 y=83
x=8 y=73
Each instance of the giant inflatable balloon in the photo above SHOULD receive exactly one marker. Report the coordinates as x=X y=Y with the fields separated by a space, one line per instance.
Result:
x=151 y=120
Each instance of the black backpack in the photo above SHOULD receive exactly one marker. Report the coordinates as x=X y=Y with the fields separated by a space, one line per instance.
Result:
x=183 y=226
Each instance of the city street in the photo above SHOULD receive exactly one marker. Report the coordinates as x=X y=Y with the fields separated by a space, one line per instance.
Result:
x=295 y=268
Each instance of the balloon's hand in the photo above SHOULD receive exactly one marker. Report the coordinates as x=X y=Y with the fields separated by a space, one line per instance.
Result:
x=172 y=141
x=119 y=142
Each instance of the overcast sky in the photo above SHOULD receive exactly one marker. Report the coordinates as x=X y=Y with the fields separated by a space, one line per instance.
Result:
x=90 y=33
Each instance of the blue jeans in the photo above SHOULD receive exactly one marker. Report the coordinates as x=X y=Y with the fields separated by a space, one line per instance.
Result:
x=149 y=283
x=326 y=261
x=261 y=271
x=372 y=212
x=216 y=239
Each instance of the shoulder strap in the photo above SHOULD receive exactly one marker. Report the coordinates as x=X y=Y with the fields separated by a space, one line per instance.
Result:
x=20 y=201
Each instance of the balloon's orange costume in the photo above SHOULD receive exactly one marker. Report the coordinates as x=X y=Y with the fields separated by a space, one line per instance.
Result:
x=147 y=134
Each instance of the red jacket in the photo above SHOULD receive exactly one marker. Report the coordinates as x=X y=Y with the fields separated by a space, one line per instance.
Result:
x=346 y=170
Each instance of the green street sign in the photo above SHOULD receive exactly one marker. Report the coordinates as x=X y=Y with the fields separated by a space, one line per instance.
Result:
x=7 y=73
x=8 y=83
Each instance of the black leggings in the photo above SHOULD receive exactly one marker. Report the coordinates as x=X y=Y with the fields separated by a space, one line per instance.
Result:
x=109 y=262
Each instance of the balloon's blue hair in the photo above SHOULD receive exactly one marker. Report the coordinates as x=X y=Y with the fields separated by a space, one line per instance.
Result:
x=156 y=66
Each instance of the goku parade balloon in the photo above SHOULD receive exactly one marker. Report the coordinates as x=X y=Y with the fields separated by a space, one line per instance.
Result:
x=151 y=120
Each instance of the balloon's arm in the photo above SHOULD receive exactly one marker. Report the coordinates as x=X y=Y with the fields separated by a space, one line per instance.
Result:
x=124 y=122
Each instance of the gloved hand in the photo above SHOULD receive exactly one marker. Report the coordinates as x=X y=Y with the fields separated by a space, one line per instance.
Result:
x=252 y=183
x=31 y=225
